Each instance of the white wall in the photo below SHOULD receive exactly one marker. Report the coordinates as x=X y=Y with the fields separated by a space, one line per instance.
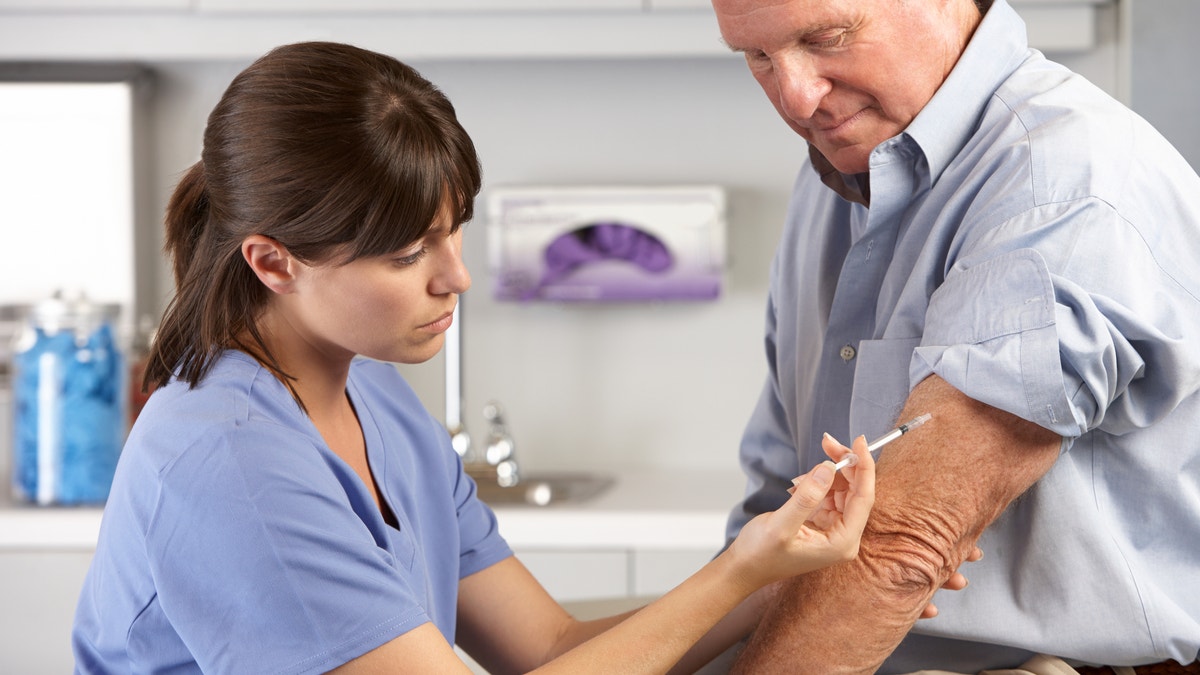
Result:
x=666 y=384
x=592 y=384
x=1165 y=89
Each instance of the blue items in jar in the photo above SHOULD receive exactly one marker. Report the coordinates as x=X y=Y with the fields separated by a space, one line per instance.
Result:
x=70 y=401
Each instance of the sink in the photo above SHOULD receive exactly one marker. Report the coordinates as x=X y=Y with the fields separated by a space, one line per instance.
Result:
x=541 y=489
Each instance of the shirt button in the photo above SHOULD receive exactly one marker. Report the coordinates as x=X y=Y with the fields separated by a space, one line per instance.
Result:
x=847 y=353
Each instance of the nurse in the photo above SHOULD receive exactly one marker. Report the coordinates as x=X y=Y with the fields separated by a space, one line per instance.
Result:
x=285 y=506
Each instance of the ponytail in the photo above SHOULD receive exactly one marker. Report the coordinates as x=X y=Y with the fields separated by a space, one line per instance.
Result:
x=187 y=212
x=216 y=293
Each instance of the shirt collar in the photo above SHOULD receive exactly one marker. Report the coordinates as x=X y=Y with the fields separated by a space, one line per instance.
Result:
x=945 y=124
x=854 y=188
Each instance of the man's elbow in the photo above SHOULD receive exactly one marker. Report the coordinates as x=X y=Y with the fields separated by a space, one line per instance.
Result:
x=911 y=560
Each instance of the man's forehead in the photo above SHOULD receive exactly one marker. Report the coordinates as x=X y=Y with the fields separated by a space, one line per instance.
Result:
x=744 y=21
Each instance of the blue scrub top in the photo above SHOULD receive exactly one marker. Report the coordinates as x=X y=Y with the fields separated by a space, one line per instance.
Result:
x=235 y=540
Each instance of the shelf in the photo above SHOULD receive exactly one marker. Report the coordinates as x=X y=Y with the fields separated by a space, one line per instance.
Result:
x=522 y=29
x=214 y=37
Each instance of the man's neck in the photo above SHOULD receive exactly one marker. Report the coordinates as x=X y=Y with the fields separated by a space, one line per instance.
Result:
x=855 y=188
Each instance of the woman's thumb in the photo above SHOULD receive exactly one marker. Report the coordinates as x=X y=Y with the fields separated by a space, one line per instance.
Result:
x=810 y=489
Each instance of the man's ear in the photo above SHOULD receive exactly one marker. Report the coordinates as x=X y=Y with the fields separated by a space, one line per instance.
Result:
x=271 y=262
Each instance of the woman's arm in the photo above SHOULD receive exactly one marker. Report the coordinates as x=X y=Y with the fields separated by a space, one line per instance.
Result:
x=772 y=547
x=509 y=623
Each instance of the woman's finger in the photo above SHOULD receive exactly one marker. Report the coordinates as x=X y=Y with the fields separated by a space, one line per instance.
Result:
x=808 y=494
x=861 y=495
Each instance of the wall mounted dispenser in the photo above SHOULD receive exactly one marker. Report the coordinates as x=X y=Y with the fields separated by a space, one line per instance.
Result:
x=606 y=243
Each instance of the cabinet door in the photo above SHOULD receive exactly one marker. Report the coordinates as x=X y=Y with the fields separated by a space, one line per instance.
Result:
x=342 y=6
x=579 y=575
x=94 y=5
x=39 y=591
x=681 y=4
x=656 y=572
x=75 y=137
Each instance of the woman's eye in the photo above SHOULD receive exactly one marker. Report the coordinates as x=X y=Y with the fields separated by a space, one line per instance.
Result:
x=412 y=258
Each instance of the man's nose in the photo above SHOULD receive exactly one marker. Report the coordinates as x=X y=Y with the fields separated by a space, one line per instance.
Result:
x=801 y=86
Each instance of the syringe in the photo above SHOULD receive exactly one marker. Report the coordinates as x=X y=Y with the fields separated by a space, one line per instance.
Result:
x=874 y=446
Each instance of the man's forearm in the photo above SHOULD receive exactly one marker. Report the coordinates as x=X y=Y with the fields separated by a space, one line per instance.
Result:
x=804 y=633
x=936 y=492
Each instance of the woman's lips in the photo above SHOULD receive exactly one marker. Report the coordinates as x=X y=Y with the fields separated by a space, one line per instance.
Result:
x=441 y=324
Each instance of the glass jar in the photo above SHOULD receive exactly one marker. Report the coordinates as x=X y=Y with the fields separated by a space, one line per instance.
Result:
x=69 y=402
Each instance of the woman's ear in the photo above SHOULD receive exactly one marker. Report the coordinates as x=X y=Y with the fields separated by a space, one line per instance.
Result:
x=272 y=263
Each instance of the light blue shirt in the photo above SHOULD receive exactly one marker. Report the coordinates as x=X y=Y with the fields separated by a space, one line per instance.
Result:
x=1036 y=244
x=235 y=541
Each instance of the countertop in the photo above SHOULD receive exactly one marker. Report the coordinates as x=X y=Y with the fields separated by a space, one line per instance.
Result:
x=645 y=508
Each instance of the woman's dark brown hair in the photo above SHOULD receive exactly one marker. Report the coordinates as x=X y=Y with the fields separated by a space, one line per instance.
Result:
x=335 y=152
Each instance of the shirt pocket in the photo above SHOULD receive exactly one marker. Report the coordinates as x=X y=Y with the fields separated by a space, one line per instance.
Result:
x=881 y=385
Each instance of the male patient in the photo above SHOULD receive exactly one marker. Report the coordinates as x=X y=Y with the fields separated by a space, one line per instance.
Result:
x=981 y=235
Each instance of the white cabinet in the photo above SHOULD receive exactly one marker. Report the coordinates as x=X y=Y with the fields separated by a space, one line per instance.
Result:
x=576 y=575
x=39 y=591
x=705 y=5
x=485 y=6
x=74 y=136
x=579 y=575
x=680 y=4
x=420 y=29
x=1054 y=25
x=655 y=572
x=94 y=5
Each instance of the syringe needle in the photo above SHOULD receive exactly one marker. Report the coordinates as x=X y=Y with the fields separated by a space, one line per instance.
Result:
x=875 y=445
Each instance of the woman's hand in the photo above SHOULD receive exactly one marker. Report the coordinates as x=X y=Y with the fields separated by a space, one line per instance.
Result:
x=820 y=525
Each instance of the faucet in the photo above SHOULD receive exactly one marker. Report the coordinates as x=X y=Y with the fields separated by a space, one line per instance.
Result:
x=500 y=450
x=499 y=462
x=460 y=440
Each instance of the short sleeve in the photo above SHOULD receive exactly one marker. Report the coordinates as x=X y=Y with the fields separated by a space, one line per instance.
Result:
x=480 y=543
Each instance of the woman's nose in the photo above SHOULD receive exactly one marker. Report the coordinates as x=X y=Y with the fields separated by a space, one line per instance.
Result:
x=452 y=275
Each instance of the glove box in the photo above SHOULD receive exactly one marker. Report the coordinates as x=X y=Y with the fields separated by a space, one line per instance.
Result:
x=606 y=243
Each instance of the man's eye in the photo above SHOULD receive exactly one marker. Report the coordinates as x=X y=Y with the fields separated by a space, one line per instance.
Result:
x=828 y=41
x=757 y=57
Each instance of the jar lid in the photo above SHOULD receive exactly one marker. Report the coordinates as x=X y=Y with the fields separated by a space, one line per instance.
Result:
x=60 y=313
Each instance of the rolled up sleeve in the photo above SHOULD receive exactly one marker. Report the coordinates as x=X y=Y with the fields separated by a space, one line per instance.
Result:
x=1070 y=353
x=991 y=332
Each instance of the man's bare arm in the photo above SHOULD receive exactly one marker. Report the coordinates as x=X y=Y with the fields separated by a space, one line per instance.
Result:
x=936 y=492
